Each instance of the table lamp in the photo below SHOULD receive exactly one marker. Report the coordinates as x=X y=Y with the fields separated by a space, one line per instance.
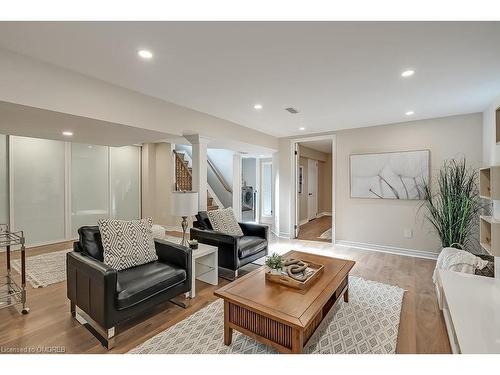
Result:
x=184 y=204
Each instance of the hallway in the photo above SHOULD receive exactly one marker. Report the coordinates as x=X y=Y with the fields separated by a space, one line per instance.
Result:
x=313 y=229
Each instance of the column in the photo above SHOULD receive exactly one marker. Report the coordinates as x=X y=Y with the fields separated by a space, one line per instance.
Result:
x=163 y=184
x=148 y=180
x=237 y=185
x=199 y=157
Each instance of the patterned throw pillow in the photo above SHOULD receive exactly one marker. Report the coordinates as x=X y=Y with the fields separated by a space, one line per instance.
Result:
x=127 y=244
x=224 y=221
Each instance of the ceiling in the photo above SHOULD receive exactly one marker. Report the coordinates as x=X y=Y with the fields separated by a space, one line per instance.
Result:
x=338 y=75
x=323 y=145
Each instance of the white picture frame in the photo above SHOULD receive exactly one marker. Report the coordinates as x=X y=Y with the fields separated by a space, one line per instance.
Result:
x=389 y=175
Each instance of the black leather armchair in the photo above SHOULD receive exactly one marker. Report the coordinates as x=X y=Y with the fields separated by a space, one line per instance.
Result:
x=104 y=297
x=233 y=251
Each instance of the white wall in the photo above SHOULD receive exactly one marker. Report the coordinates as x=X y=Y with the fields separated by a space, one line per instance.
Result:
x=491 y=151
x=223 y=160
x=249 y=172
x=382 y=222
x=158 y=175
x=283 y=187
x=34 y=83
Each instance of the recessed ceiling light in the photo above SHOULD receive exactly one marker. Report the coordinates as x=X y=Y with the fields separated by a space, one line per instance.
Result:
x=409 y=113
x=302 y=128
x=67 y=133
x=257 y=106
x=145 y=54
x=407 y=73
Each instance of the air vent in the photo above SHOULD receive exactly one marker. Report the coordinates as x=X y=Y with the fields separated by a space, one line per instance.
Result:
x=292 y=110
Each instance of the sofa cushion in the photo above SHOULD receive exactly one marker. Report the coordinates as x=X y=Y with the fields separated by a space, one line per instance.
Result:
x=137 y=284
x=127 y=244
x=90 y=242
x=224 y=221
x=203 y=220
x=249 y=245
x=158 y=231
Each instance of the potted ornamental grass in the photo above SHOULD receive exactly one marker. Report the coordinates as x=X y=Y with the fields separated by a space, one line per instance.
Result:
x=453 y=205
x=275 y=262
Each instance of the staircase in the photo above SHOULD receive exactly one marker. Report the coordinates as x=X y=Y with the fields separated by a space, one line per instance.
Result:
x=184 y=179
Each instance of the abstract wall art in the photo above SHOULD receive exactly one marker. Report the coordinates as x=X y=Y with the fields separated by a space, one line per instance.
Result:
x=389 y=175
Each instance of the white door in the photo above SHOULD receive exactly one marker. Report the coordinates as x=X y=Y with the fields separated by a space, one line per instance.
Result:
x=312 y=189
x=296 y=219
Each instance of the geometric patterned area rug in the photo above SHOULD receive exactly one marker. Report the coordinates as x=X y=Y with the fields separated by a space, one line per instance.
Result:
x=367 y=324
x=44 y=269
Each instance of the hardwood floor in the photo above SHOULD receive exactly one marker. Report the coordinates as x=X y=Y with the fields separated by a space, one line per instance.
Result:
x=49 y=323
x=315 y=228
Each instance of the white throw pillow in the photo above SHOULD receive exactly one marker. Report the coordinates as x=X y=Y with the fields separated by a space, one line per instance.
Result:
x=158 y=231
x=224 y=221
x=127 y=244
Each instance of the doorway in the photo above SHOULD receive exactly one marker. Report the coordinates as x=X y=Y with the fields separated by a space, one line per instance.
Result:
x=249 y=185
x=266 y=191
x=312 y=189
x=314 y=193
x=257 y=189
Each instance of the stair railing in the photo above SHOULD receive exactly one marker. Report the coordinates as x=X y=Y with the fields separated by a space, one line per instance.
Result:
x=219 y=176
x=183 y=176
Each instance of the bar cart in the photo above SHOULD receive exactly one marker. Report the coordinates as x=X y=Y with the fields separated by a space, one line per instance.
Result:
x=10 y=292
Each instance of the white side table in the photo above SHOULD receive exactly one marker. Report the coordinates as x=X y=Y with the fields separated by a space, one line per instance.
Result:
x=204 y=266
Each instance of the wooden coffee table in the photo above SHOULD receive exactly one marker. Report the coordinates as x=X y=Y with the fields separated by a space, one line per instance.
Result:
x=279 y=316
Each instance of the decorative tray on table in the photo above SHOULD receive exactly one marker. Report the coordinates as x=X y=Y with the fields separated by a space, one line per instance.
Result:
x=296 y=274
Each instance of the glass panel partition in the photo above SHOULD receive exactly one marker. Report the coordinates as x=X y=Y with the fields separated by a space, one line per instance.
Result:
x=89 y=185
x=4 y=181
x=125 y=182
x=38 y=181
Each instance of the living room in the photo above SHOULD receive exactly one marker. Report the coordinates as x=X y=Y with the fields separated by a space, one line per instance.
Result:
x=165 y=189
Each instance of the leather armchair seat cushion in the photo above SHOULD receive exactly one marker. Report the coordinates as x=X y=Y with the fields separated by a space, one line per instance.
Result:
x=249 y=245
x=90 y=242
x=137 y=284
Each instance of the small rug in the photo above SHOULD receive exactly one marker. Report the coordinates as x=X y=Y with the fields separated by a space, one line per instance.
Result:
x=326 y=235
x=367 y=324
x=260 y=261
x=44 y=269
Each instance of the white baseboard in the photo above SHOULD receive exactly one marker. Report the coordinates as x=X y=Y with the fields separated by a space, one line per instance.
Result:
x=281 y=234
x=388 y=249
x=321 y=214
x=325 y=213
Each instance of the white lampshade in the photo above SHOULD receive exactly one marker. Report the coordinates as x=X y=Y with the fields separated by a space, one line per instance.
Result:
x=184 y=203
